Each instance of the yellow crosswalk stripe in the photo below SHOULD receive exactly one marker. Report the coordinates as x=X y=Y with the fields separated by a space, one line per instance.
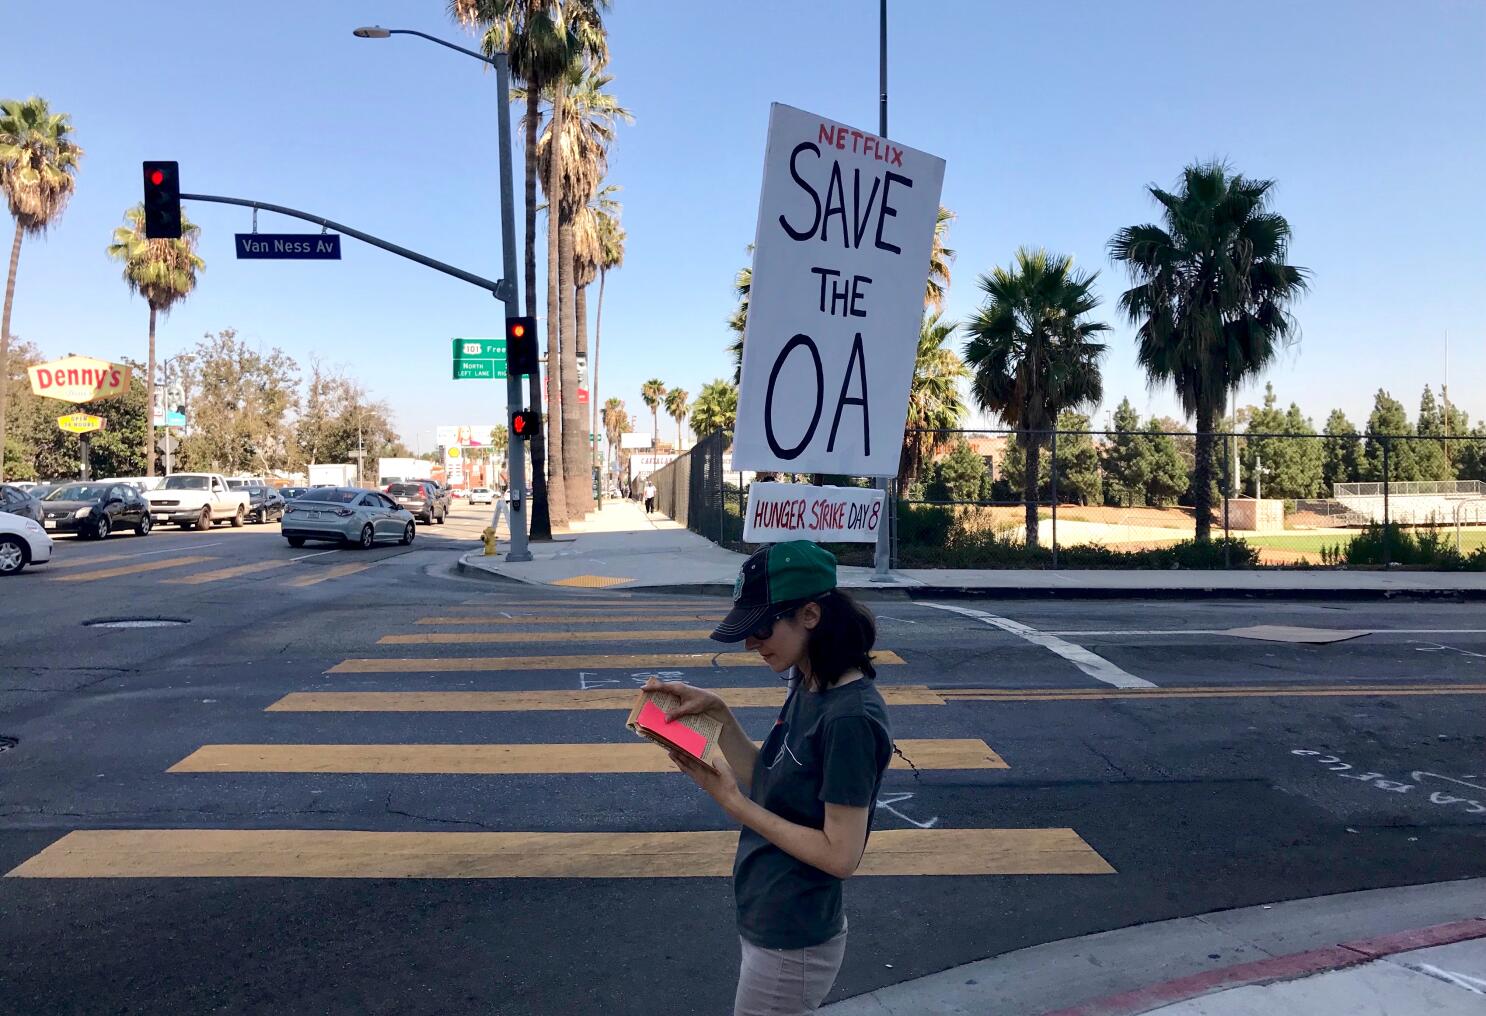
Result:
x=544 y=701
x=339 y=853
x=134 y=569
x=1251 y=691
x=226 y=573
x=607 y=601
x=459 y=638
x=570 y=619
x=506 y=759
x=325 y=574
x=76 y=562
x=636 y=661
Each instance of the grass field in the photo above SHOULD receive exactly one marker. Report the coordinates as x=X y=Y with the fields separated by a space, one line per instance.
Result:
x=1312 y=543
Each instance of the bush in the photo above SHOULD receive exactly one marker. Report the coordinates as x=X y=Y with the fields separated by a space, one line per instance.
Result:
x=988 y=549
x=1430 y=547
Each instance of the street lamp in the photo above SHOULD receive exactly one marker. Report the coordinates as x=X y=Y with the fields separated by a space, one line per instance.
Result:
x=516 y=468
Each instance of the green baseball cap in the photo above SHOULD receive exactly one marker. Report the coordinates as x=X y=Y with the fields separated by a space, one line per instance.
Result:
x=771 y=580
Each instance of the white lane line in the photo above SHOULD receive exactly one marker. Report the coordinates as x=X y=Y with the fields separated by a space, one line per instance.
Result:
x=319 y=553
x=1095 y=666
x=1215 y=631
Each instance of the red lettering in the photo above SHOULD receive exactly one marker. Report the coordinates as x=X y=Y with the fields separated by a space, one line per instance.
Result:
x=71 y=375
x=827 y=134
x=115 y=379
x=856 y=136
x=43 y=377
x=897 y=156
x=758 y=512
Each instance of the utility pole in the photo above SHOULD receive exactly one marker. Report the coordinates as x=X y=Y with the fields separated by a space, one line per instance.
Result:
x=882 y=557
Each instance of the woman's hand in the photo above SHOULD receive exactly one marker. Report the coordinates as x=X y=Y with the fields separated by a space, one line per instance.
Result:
x=721 y=786
x=692 y=700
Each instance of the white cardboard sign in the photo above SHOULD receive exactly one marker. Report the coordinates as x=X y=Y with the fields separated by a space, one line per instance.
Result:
x=841 y=256
x=799 y=511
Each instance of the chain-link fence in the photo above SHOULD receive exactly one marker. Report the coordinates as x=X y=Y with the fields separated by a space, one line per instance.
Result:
x=1125 y=498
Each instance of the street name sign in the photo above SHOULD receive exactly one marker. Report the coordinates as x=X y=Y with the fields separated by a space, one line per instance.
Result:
x=289 y=246
x=479 y=358
x=79 y=379
x=841 y=256
x=80 y=423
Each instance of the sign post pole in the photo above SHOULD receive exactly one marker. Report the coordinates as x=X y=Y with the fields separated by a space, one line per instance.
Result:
x=515 y=446
x=882 y=557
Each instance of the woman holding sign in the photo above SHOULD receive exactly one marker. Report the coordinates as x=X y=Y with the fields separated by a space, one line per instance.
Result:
x=805 y=798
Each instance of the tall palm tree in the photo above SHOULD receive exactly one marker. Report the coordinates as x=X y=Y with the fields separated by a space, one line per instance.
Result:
x=542 y=38
x=738 y=321
x=676 y=410
x=164 y=273
x=616 y=422
x=652 y=392
x=1211 y=296
x=603 y=214
x=1032 y=352
x=38 y=168
x=934 y=403
x=940 y=259
x=716 y=408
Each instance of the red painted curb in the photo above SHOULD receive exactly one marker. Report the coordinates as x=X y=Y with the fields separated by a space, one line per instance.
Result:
x=1277 y=968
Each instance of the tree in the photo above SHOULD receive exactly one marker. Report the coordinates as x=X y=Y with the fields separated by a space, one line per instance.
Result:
x=959 y=476
x=940 y=260
x=1032 y=352
x=934 y=403
x=652 y=393
x=1341 y=452
x=1293 y=464
x=38 y=169
x=1388 y=420
x=716 y=408
x=1210 y=297
x=1169 y=475
x=240 y=400
x=1433 y=460
x=616 y=422
x=163 y=271
x=738 y=321
x=1128 y=459
x=601 y=216
x=1079 y=481
x=676 y=409
x=1470 y=460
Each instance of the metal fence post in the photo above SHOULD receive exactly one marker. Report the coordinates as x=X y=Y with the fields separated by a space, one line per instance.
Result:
x=1226 y=489
x=1054 y=471
x=1387 y=517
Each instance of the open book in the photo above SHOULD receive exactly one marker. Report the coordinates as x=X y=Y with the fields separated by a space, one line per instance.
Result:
x=691 y=735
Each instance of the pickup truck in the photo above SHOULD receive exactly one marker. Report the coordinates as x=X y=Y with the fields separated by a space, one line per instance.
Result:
x=197 y=499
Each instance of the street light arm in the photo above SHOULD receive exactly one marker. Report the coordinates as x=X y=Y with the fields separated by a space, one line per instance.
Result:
x=492 y=61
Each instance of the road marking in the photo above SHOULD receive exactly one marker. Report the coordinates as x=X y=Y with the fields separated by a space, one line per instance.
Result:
x=227 y=573
x=1230 y=631
x=340 y=853
x=318 y=553
x=460 y=638
x=604 y=602
x=1092 y=664
x=134 y=569
x=333 y=572
x=509 y=759
x=592 y=581
x=75 y=562
x=537 y=701
x=507 y=619
x=1289 y=691
x=637 y=661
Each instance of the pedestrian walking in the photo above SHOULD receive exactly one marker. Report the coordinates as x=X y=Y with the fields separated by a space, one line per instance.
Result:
x=806 y=797
x=649 y=497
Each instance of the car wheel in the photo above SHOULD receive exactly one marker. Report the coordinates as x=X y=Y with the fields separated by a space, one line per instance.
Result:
x=143 y=528
x=407 y=534
x=239 y=518
x=204 y=520
x=295 y=541
x=102 y=528
x=368 y=537
x=13 y=555
x=442 y=517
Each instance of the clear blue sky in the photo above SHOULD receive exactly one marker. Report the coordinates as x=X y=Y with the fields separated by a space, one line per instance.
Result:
x=1052 y=118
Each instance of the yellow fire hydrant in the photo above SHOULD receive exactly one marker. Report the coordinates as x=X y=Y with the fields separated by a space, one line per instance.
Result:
x=489 y=537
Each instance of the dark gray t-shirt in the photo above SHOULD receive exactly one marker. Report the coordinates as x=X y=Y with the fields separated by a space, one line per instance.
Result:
x=827 y=747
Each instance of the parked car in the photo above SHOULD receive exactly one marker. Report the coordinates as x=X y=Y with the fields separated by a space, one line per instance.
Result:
x=94 y=510
x=458 y=492
x=25 y=484
x=139 y=483
x=290 y=493
x=421 y=498
x=346 y=515
x=18 y=501
x=482 y=495
x=22 y=542
x=197 y=499
x=441 y=491
x=265 y=504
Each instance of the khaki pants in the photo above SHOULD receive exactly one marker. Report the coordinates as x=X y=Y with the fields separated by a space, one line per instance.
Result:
x=787 y=982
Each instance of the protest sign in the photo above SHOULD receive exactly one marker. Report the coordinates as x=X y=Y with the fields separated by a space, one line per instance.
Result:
x=800 y=511
x=841 y=256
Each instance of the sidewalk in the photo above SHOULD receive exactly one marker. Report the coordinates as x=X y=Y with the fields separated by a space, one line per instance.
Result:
x=621 y=548
x=1416 y=949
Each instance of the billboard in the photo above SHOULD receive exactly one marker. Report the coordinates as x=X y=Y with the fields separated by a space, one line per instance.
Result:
x=475 y=435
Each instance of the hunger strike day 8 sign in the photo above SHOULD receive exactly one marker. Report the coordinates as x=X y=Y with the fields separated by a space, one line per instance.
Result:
x=841 y=255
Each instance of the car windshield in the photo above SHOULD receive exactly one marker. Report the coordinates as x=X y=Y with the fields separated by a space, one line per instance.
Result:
x=405 y=490
x=186 y=483
x=334 y=495
x=79 y=492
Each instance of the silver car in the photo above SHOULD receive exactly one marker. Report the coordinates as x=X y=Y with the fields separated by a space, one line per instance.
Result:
x=346 y=515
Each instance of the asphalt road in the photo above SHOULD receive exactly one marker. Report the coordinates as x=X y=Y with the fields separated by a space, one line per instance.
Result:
x=189 y=815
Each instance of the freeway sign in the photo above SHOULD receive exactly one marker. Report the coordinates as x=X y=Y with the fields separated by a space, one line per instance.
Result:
x=479 y=358
x=289 y=246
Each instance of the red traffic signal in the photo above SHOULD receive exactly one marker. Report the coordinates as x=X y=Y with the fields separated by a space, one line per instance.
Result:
x=162 y=200
x=521 y=346
x=525 y=423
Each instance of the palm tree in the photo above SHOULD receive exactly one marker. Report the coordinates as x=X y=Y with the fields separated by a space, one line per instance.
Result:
x=38 y=167
x=164 y=273
x=738 y=322
x=542 y=38
x=940 y=258
x=934 y=403
x=676 y=410
x=716 y=408
x=1032 y=353
x=1210 y=297
x=602 y=213
x=616 y=422
x=652 y=393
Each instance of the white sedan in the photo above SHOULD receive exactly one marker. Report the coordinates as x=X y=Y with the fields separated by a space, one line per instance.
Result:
x=22 y=542
x=482 y=495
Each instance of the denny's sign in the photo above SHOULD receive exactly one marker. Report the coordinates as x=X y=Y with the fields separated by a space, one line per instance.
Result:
x=79 y=379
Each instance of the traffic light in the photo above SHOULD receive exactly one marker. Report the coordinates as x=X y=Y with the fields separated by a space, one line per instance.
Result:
x=525 y=423
x=521 y=345
x=162 y=200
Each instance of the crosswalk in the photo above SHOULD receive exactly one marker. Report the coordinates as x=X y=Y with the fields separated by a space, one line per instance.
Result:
x=198 y=569
x=606 y=682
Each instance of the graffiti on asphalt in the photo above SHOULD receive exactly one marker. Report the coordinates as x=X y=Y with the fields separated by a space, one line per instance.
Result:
x=1421 y=780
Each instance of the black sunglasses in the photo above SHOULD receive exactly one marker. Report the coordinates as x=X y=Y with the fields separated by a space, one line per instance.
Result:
x=765 y=628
